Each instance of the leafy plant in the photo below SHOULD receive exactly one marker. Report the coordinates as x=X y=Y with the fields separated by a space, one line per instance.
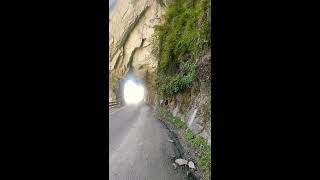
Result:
x=178 y=42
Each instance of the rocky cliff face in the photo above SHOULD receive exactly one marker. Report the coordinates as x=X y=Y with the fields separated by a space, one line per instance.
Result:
x=131 y=25
x=131 y=29
x=193 y=105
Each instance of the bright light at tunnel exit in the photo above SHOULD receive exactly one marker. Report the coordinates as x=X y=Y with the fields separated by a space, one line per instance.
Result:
x=133 y=93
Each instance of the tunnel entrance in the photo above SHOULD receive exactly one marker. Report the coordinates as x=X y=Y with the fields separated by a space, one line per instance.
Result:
x=131 y=90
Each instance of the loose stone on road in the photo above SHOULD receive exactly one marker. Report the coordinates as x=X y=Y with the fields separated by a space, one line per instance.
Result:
x=139 y=146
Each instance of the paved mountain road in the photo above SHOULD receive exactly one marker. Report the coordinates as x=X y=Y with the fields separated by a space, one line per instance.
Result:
x=138 y=146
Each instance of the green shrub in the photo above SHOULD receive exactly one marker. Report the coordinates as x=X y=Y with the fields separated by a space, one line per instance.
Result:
x=179 y=41
x=171 y=85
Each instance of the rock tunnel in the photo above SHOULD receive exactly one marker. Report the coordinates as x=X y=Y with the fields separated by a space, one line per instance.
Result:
x=131 y=56
x=130 y=44
x=128 y=77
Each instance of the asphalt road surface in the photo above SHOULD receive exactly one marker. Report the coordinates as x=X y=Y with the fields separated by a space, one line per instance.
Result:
x=138 y=146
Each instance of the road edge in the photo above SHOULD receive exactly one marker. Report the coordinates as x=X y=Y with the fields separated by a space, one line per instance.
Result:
x=181 y=148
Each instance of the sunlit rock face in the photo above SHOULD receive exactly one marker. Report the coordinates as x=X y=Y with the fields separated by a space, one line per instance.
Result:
x=131 y=26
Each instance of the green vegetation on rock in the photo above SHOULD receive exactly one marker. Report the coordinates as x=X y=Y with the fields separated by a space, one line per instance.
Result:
x=174 y=120
x=199 y=144
x=203 y=151
x=178 y=44
x=180 y=40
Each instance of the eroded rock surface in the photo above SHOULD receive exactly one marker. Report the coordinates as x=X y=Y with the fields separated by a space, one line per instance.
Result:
x=193 y=107
x=131 y=26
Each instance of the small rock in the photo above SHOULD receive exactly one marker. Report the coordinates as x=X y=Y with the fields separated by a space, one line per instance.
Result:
x=181 y=162
x=170 y=140
x=174 y=165
x=191 y=165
